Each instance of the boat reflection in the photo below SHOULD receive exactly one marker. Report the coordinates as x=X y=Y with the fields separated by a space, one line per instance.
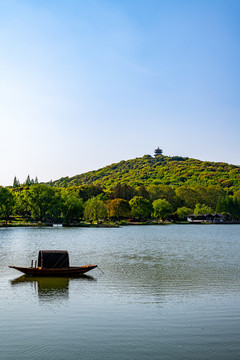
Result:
x=50 y=289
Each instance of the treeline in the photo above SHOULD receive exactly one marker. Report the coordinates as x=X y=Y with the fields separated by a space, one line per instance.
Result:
x=43 y=203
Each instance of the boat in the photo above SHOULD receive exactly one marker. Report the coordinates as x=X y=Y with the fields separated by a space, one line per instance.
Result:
x=53 y=263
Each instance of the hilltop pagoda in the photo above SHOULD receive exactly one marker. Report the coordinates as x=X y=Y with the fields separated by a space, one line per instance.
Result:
x=157 y=152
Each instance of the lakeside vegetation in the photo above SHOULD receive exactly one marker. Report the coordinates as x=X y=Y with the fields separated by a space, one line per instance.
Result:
x=157 y=189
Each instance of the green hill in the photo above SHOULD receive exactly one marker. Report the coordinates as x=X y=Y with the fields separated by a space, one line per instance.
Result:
x=160 y=170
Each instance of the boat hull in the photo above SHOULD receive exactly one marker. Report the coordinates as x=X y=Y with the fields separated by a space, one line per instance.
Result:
x=71 y=271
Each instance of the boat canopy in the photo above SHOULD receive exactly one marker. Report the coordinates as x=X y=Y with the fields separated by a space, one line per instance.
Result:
x=53 y=259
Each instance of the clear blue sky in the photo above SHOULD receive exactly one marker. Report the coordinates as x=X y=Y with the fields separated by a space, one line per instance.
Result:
x=86 y=83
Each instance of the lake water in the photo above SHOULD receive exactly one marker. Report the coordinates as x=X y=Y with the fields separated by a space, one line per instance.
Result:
x=167 y=292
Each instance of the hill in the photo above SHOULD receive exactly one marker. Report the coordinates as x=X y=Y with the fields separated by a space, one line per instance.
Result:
x=160 y=170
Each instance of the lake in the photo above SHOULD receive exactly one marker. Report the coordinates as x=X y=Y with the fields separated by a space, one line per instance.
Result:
x=166 y=292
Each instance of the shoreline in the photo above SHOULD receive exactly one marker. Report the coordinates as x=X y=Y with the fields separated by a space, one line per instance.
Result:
x=117 y=225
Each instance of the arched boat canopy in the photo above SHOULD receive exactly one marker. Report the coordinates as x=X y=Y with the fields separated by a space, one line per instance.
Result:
x=53 y=259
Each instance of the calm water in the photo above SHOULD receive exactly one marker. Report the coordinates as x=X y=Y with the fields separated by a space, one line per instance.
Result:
x=167 y=292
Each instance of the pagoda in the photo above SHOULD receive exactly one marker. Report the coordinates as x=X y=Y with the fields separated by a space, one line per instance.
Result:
x=157 y=152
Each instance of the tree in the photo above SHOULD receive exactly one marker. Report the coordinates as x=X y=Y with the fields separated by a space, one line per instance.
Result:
x=95 y=210
x=237 y=195
x=88 y=191
x=228 y=204
x=236 y=208
x=6 y=202
x=202 y=209
x=65 y=182
x=162 y=192
x=16 y=182
x=214 y=192
x=22 y=206
x=41 y=199
x=187 y=196
x=140 y=208
x=72 y=206
x=161 y=209
x=142 y=191
x=183 y=212
x=118 y=208
x=28 y=181
x=124 y=191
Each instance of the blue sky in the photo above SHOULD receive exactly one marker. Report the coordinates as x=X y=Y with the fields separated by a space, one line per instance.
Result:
x=87 y=83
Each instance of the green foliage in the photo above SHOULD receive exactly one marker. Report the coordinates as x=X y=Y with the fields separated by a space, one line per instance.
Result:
x=123 y=191
x=187 y=196
x=40 y=199
x=161 y=209
x=142 y=191
x=237 y=195
x=183 y=212
x=229 y=205
x=95 y=210
x=16 y=182
x=202 y=209
x=140 y=208
x=169 y=184
x=163 y=192
x=72 y=207
x=163 y=170
x=6 y=202
x=29 y=181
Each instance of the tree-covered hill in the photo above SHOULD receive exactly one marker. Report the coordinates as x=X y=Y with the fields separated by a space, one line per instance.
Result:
x=143 y=189
x=160 y=170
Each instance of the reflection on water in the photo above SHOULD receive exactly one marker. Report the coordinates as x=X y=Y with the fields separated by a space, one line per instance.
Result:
x=167 y=293
x=50 y=289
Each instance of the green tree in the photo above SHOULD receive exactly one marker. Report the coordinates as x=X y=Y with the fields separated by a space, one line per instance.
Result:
x=237 y=195
x=161 y=209
x=21 y=205
x=88 y=191
x=124 y=191
x=41 y=200
x=140 y=208
x=187 y=196
x=202 y=209
x=162 y=192
x=230 y=205
x=28 y=181
x=16 y=182
x=142 y=191
x=213 y=193
x=72 y=207
x=6 y=202
x=65 y=182
x=221 y=206
x=183 y=212
x=95 y=210
x=236 y=208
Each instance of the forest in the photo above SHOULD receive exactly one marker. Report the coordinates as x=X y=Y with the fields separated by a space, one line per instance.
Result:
x=143 y=189
x=45 y=204
x=160 y=170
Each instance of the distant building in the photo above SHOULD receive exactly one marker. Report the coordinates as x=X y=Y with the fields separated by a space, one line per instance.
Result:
x=210 y=218
x=157 y=152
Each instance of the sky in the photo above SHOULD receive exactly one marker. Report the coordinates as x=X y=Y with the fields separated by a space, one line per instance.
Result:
x=88 y=83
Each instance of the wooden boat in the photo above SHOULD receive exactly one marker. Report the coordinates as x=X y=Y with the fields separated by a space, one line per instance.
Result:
x=54 y=263
x=71 y=271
